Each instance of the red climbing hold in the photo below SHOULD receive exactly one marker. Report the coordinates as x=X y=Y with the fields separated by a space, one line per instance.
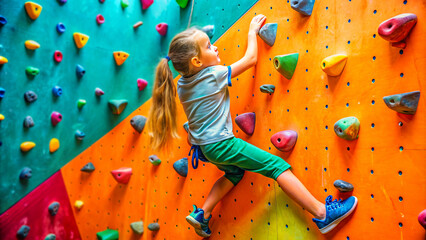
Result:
x=162 y=28
x=146 y=3
x=246 y=122
x=57 y=56
x=55 y=118
x=396 y=29
x=122 y=175
x=142 y=84
x=284 y=140
x=100 y=19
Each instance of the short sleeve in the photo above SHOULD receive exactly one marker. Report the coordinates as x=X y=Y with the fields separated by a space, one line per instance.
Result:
x=223 y=75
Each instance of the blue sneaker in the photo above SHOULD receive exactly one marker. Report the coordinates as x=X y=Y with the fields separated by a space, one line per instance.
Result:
x=336 y=211
x=201 y=225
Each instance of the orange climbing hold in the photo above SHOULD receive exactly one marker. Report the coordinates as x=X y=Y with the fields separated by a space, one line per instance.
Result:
x=334 y=65
x=33 y=10
x=80 y=39
x=31 y=45
x=27 y=146
x=122 y=175
x=54 y=145
x=120 y=57
x=3 y=60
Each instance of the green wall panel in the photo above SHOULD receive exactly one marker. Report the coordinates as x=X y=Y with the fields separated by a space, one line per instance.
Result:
x=144 y=45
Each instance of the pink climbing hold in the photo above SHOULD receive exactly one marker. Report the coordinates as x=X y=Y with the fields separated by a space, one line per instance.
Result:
x=142 y=84
x=162 y=28
x=57 y=56
x=246 y=122
x=122 y=175
x=55 y=118
x=422 y=218
x=99 y=92
x=284 y=140
x=146 y=3
x=100 y=19
x=396 y=29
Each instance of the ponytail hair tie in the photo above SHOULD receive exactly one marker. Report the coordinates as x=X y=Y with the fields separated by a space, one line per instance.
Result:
x=167 y=57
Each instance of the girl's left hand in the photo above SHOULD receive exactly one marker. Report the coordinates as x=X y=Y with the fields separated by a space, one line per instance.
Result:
x=257 y=22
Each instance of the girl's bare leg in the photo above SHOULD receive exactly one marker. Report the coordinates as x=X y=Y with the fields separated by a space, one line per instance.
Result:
x=218 y=191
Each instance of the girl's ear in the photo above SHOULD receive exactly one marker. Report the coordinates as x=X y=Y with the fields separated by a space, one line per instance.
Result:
x=196 y=62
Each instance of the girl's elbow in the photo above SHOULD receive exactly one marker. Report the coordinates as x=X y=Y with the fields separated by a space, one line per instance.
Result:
x=253 y=61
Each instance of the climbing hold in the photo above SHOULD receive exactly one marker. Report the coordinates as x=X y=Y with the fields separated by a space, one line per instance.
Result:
x=88 y=167
x=50 y=236
x=284 y=140
x=267 y=88
x=117 y=106
x=142 y=83
x=209 y=30
x=32 y=71
x=162 y=28
x=80 y=71
x=100 y=19
x=268 y=33
x=334 y=65
x=396 y=29
x=33 y=10
x=54 y=145
x=154 y=227
x=286 y=64
x=54 y=208
x=120 y=57
x=57 y=56
x=3 y=60
x=81 y=103
x=99 y=92
x=55 y=118
x=23 y=232
x=146 y=3
x=79 y=135
x=3 y=21
x=405 y=103
x=62 y=1
x=31 y=45
x=80 y=39
x=26 y=173
x=347 y=128
x=57 y=91
x=181 y=166
x=60 y=28
x=108 y=234
x=343 y=186
x=154 y=160
x=122 y=175
x=1 y=118
x=124 y=3
x=137 y=227
x=30 y=96
x=303 y=6
x=27 y=146
x=186 y=126
x=101 y=1
x=28 y=122
x=422 y=218
x=2 y=92
x=138 y=24
x=182 y=3
x=138 y=123
x=246 y=122
x=78 y=204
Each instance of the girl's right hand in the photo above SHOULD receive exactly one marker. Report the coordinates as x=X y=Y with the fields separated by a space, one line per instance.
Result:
x=256 y=23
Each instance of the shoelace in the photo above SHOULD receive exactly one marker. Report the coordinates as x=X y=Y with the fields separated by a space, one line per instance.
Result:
x=196 y=155
x=330 y=204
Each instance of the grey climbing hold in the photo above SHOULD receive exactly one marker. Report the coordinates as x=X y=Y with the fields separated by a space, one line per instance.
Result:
x=154 y=160
x=154 y=226
x=181 y=166
x=186 y=126
x=209 y=30
x=54 y=208
x=343 y=186
x=137 y=227
x=50 y=236
x=268 y=33
x=405 y=103
x=30 y=96
x=28 y=122
x=23 y=232
x=303 y=6
x=88 y=167
x=138 y=123
x=26 y=173
x=79 y=135
x=267 y=88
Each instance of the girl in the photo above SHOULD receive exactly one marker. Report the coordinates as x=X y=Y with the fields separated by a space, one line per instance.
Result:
x=203 y=92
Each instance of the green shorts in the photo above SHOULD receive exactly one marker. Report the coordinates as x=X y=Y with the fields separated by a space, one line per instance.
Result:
x=234 y=156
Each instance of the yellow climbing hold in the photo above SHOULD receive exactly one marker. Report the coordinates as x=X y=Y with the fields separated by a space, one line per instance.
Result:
x=33 y=10
x=32 y=45
x=54 y=145
x=3 y=60
x=78 y=204
x=80 y=39
x=333 y=65
x=1 y=117
x=120 y=57
x=27 y=146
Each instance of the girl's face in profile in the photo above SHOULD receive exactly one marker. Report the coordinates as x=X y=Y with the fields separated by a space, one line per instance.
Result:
x=209 y=55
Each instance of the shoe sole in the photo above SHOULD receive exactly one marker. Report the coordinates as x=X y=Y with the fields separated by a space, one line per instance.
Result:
x=337 y=221
x=197 y=226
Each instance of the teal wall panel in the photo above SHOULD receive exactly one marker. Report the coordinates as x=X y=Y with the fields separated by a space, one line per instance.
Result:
x=144 y=45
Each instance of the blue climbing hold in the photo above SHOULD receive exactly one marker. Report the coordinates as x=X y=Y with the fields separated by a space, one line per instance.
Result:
x=89 y=167
x=28 y=122
x=181 y=166
x=79 y=135
x=57 y=91
x=268 y=33
x=53 y=208
x=80 y=71
x=405 y=103
x=26 y=173
x=23 y=232
x=3 y=21
x=267 y=88
x=60 y=27
x=138 y=123
x=2 y=92
x=186 y=126
x=209 y=30
x=303 y=6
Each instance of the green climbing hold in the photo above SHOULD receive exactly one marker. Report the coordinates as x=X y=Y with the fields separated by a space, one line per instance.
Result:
x=50 y=236
x=108 y=234
x=81 y=103
x=137 y=227
x=88 y=167
x=154 y=160
x=347 y=128
x=124 y=3
x=286 y=64
x=117 y=106
x=32 y=71
x=405 y=103
x=182 y=3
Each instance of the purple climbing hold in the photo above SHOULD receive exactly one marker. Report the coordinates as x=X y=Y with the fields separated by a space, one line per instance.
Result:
x=284 y=140
x=60 y=27
x=99 y=92
x=30 y=96
x=55 y=118
x=405 y=103
x=181 y=166
x=79 y=135
x=28 y=122
x=26 y=173
x=138 y=123
x=303 y=6
x=89 y=167
x=57 y=91
x=54 y=208
x=246 y=122
x=23 y=232
x=268 y=33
